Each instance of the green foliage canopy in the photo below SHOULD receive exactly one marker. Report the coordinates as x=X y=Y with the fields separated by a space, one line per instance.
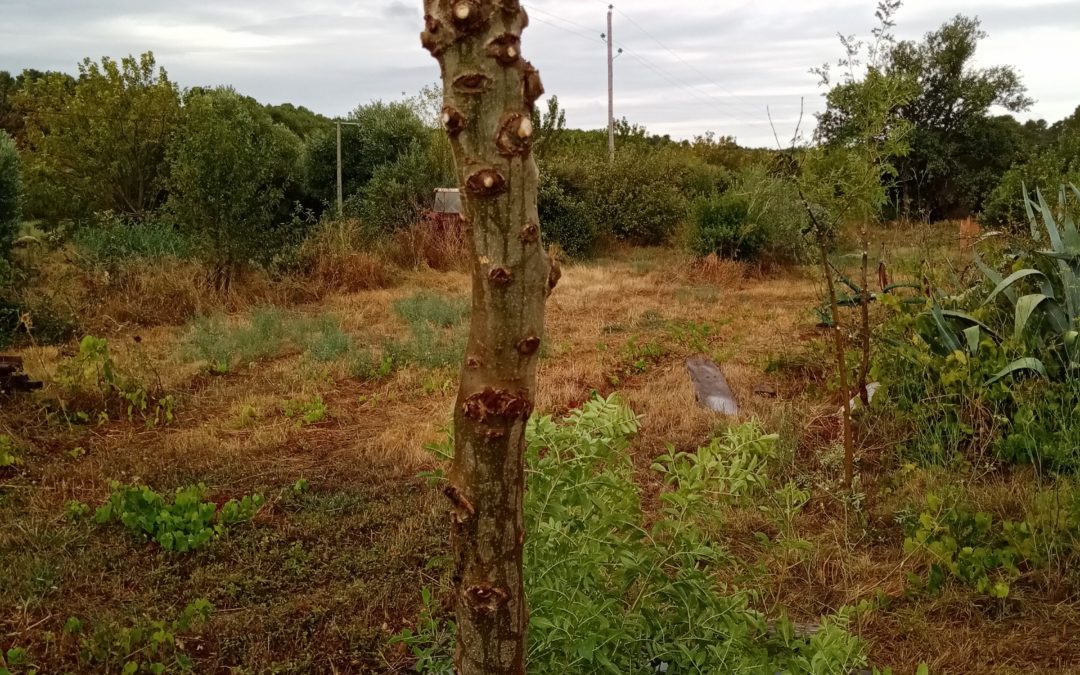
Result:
x=10 y=193
x=231 y=167
x=100 y=145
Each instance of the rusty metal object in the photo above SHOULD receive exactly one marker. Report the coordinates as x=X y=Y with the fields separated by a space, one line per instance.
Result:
x=12 y=379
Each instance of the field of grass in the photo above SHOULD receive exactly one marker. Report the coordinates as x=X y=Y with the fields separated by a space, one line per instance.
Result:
x=325 y=410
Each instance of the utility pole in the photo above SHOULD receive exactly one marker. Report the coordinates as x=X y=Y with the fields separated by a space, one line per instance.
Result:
x=610 y=87
x=340 y=186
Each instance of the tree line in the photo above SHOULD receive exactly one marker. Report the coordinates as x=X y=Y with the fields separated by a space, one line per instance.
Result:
x=120 y=142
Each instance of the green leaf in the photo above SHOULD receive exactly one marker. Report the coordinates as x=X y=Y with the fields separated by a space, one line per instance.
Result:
x=1014 y=278
x=973 y=335
x=1031 y=364
x=1025 y=308
x=944 y=332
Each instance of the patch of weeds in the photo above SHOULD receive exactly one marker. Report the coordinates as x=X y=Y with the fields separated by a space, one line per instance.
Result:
x=590 y=534
x=987 y=553
x=9 y=454
x=76 y=510
x=94 y=386
x=436 y=338
x=692 y=335
x=327 y=341
x=639 y=357
x=698 y=295
x=650 y=320
x=248 y=416
x=310 y=411
x=433 y=309
x=145 y=646
x=268 y=334
x=184 y=523
x=365 y=366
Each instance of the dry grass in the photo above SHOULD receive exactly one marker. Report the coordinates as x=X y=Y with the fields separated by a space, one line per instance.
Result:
x=369 y=528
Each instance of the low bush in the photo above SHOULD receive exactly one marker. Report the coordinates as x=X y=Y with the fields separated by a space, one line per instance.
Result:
x=638 y=198
x=400 y=191
x=110 y=240
x=721 y=225
x=612 y=591
x=564 y=217
x=181 y=524
x=10 y=193
x=94 y=387
x=760 y=217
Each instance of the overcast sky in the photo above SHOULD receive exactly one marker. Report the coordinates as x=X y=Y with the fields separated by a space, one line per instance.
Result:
x=689 y=65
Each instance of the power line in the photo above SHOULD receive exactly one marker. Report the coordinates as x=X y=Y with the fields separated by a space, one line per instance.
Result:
x=557 y=18
x=579 y=34
x=686 y=63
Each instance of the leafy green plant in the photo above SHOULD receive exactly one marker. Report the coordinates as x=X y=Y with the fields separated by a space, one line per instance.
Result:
x=9 y=455
x=609 y=592
x=93 y=384
x=17 y=658
x=721 y=225
x=965 y=545
x=182 y=524
x=145 y=646
x=306 y=411
x=1048 y=318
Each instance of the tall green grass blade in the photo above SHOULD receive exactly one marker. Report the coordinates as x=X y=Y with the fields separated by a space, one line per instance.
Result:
x=948 y=338
x=995 y=278
x=1032 y=221
x=1049 y=223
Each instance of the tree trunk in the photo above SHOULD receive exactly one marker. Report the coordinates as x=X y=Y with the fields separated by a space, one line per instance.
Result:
x=490 y=93
x=841 y=367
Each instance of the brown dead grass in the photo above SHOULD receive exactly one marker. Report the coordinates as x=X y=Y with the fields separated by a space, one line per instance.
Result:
x=371 y=447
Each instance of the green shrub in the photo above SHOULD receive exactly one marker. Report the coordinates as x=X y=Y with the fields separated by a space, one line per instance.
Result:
x=564 y=218
x=638 y=199
x=399 y=191
x=759 y=217
x=721 y=225
x=182 y=524
x=612 y=591
x=112 y=240
x=380 y=133
x=10 y=193
x=231 y=167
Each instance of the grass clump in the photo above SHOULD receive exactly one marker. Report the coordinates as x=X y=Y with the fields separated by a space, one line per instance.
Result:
x=111 y=240
x=270 y=333
x=436 y=336
x=306 y=411
x=183 y=523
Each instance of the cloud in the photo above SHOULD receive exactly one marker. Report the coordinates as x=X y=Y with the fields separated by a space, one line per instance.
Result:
x=689 y=66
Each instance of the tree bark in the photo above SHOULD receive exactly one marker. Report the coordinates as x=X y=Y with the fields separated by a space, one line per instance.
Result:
x=490 y=93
